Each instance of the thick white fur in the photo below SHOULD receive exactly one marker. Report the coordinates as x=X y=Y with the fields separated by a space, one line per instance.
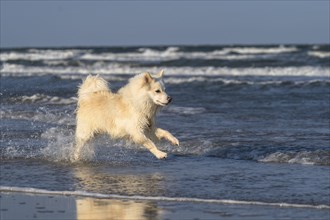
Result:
x=128 y=114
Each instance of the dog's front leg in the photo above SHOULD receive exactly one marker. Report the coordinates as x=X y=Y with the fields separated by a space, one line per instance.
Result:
x=146 y=142
x=161 y=133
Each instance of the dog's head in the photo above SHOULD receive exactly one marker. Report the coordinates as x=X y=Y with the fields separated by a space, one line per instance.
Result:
x=156 y=88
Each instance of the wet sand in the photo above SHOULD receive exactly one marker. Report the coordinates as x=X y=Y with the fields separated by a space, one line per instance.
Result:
x=34 y=206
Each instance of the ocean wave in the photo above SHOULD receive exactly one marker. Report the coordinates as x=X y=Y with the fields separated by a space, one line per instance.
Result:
x=114 y=68
x=156 y=198
x=143 y=53
x=318 y=157
x=40 y=54
x=39 y=115
x=46 y=99
x=319 y=54
x=270 y=155
x=246 y=82
x=259 y=50
x=173 y=53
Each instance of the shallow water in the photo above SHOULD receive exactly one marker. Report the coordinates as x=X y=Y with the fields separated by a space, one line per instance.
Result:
x=253 y=124
x=188 y=177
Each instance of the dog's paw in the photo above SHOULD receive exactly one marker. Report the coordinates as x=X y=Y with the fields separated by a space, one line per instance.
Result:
x=174 y=141
x=161 y=155
x=75 y=157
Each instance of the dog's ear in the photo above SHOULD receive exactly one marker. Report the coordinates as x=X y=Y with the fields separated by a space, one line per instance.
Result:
x=160 y=74
x=147 y=78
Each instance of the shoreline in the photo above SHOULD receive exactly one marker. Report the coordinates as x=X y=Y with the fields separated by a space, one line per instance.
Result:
x=55 y=206
x=35 y=191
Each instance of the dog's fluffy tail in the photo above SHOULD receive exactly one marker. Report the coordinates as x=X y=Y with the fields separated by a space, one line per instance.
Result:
x=91 y=85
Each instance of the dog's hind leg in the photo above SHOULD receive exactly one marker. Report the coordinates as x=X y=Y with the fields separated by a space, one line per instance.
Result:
x=78 y=147
x=81 y=138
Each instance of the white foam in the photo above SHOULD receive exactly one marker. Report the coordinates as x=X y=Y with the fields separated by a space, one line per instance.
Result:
x=172 y=53
x=40 y=115
x=21 y=70
x=42 y=98
x=156 y=198
x=145 y=54
x=260 y=50
x=39 y=54
x=152 y=55
x=319 y=54
x=303 y=157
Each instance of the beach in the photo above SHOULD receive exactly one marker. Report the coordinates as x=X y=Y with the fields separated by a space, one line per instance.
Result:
x=40 y=206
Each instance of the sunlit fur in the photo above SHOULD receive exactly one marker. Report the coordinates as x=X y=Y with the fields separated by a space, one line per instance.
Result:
x=128 y=114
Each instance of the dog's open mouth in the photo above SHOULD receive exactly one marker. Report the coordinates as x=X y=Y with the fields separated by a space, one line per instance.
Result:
x=162 y=103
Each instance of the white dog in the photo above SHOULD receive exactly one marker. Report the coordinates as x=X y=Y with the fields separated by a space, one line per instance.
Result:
x=128 y=114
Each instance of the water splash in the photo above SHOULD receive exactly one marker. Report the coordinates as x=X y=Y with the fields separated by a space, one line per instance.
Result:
x=60 y=143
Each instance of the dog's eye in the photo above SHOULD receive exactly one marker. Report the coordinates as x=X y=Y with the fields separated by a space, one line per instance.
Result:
x=157 y=91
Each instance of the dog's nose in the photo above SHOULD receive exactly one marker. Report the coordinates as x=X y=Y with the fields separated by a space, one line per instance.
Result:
x=169 y=99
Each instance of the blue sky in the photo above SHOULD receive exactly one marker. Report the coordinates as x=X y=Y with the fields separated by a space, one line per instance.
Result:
x=115 y=23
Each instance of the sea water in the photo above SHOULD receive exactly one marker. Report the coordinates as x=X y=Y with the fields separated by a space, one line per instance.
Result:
x=253 y=124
